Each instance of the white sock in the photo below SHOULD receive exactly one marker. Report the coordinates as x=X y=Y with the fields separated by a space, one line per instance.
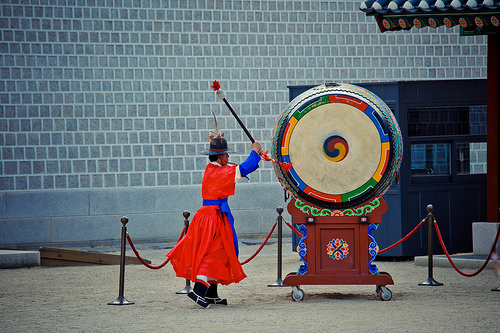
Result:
x=203 y=278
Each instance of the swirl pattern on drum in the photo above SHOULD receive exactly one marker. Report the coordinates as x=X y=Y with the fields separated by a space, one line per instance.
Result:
x=335 y=148
x=344 y=144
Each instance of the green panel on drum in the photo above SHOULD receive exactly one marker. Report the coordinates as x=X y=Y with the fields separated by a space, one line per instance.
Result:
x=344 y=145
x=352 y=195
x=311 y=105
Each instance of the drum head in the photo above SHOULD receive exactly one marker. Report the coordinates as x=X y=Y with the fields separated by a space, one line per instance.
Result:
x=344 y=145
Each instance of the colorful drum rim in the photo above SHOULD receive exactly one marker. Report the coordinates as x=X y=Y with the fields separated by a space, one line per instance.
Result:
x=382 y=119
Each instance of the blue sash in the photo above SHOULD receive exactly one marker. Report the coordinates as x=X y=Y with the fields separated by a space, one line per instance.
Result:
x=224 y=208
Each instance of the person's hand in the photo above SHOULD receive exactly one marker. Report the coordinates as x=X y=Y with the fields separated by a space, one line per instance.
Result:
x=257 y=148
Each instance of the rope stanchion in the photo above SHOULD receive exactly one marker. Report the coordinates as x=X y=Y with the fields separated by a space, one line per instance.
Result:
x=451 y=261
x=262 y=245
x=430 y=262
x=402 y=239
x=496 y=268
x=187 y=288
x=121 y=300
x=279 y=280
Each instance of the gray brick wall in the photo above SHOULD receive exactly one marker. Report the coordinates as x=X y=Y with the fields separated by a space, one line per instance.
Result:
x=102 y=94
x=109 y=94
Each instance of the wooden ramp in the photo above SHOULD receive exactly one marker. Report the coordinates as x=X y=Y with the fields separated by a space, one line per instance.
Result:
x=61 y=257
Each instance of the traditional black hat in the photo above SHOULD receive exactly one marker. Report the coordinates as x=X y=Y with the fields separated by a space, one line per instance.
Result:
x=218 y=145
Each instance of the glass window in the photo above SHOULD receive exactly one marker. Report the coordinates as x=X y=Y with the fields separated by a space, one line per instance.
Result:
x=430 y=159
x=471 y=158
x=445 y=120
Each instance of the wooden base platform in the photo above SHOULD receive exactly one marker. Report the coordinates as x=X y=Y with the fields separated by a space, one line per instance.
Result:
x=54 y=257
x=292 y=279
x=337 y=248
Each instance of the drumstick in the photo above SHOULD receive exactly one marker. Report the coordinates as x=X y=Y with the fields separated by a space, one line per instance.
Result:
x=222 y=96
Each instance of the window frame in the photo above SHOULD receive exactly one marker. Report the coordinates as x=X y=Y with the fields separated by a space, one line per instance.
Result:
x=453 y=176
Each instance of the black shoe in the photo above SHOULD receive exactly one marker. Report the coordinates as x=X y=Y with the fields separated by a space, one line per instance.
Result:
x=216 y=300
x=201 y=301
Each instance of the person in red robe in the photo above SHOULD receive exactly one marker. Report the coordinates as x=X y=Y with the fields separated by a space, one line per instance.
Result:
x=208 y=254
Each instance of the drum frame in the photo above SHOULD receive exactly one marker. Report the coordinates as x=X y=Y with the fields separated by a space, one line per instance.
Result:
x=381 y=117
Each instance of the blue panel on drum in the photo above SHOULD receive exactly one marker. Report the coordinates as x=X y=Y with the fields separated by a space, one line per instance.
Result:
x=300 y=184
x=379 y=124
x=382 y=123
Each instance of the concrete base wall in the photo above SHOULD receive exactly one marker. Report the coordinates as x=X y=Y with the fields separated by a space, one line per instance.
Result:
x=483 y=235
x=19 y=259
x=29 y=220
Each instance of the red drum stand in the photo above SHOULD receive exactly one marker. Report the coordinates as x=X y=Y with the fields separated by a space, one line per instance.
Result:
x=337 y=247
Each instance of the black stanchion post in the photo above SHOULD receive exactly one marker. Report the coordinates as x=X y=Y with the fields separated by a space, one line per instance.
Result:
x=430 y=280
x=279 y=281
x=187 y=289
x=495 y=258
x=121 y=300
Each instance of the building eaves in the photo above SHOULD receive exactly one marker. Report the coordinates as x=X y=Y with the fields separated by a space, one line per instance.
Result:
x=473 y=16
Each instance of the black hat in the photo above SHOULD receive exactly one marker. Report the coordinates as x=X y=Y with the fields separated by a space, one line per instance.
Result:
x=218 y=145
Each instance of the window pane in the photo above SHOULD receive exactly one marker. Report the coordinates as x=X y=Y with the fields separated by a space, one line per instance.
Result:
x=457 y=120
x=477 y=119
x=430 y=159
x=471 y=158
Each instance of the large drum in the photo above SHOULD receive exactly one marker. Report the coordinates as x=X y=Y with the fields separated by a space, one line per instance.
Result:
x=344 y=145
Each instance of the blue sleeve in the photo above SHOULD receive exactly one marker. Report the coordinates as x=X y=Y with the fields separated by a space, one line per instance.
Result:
x=250 y=165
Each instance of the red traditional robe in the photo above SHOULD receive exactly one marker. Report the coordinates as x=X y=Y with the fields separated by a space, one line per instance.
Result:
x=208 y=249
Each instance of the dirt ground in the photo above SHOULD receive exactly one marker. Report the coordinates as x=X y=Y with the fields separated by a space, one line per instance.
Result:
x=75 y=299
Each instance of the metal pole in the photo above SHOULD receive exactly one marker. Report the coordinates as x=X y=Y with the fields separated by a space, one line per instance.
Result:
x=430 y=264
x=121 y=300
x=279 y=281
x=495 y=258
x=187 y=289
x=496 y=268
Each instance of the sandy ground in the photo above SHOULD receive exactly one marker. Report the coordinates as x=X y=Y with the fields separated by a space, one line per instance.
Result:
x=75 y=299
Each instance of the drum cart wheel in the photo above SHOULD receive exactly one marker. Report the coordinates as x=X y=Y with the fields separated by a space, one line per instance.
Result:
x=384 y=293
x=297 y=293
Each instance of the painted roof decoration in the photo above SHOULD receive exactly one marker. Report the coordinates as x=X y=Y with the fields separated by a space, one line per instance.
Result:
x=473 y=16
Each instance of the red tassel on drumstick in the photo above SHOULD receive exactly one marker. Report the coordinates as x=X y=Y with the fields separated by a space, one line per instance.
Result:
x=222 y=96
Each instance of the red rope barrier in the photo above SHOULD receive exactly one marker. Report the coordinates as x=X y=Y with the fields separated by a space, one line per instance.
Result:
x=379 y=252
x=182 y=234
x=293 y=229
x=402 y=239
x=451 y=261
x=262 y=245
x=142 y=260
